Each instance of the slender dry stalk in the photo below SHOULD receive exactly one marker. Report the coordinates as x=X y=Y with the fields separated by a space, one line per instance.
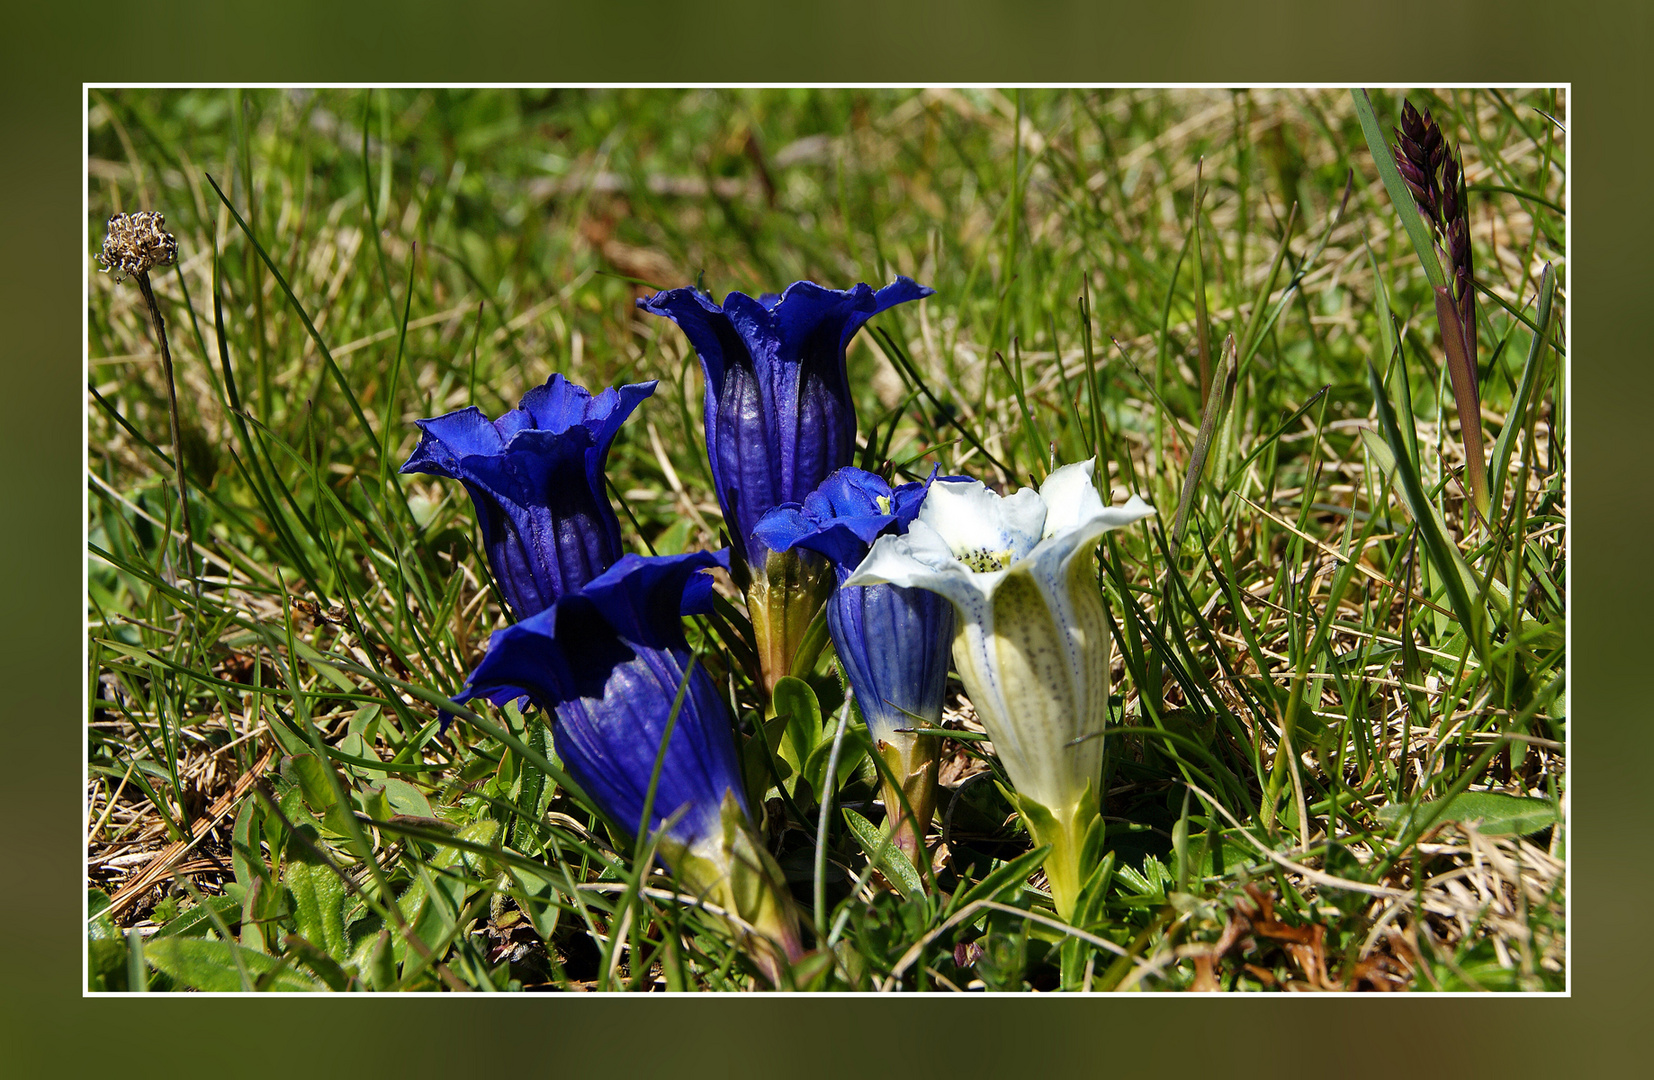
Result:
x=134 y=245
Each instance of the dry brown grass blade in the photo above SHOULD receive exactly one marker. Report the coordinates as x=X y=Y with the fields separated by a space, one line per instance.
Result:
x=162 y=865
x=1360 y=567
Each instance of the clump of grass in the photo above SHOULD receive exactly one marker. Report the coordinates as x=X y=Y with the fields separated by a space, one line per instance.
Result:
x=1337 y=751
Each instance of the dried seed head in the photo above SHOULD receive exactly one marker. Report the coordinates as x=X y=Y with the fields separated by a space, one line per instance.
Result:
x=136 y=244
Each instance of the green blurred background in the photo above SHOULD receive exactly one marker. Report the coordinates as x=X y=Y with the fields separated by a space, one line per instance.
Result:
x=46 y=52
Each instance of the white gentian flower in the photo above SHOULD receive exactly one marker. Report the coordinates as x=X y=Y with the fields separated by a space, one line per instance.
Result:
x=1031 y=643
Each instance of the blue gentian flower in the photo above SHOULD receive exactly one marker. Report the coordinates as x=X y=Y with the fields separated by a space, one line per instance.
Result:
x=779 y=419
x=607 y=663
x=778 y=409
x=892 y=642
x=536 y=478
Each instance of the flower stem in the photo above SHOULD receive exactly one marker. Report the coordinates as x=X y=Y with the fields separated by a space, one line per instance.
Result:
x=160 y=327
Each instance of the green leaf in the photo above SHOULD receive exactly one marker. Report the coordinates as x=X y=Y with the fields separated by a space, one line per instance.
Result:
x=198 y=920
x=318 y=899
x=1006 y=876
x=812 y=972
x=404 y=798
x=482 y=834
x=97 y=902
x=380 y=962
x=1464 y=590
x=1203 y=439
x=305 y=770
x=885 y=855
x=246 y=858
x=538 y=901
x=105 y=946
x=106 y=964
x=850 y=756
x=757 y=759
x=794 y=699
x=1494 y=814
x=318 y=961
x=1506 y=442
x=309 y=772
x=209 y=964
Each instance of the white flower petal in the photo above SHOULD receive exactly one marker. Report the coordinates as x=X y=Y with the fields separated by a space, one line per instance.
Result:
x=1070 y=497
x=1032 y=641
x=979 y=527
x=1134 y=510
x=928 y=546
x=1047 y=655
x=890 y=561
x=1053 y=554
x=964 y=512
x=1025 y=514
x=921 y=561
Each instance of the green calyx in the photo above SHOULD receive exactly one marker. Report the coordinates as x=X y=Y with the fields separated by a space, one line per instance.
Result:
x=786 y=599
x=735 y=872
x=1075 y=836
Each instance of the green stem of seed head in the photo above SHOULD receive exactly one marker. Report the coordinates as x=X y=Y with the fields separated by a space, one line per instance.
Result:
x=134 y=245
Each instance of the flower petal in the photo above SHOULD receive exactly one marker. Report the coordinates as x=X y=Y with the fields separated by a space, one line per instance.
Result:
x=981 y=528
x=608 y=662
x=536 y=479
x=642 y=597
x=923 y=560
x=778 y=410
x=842 y=516
x=893 y=646
x=444 y=440
x=1070 y=497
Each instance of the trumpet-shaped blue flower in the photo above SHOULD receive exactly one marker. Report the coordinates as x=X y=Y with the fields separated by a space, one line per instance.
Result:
x=1032 y=640
x=779 y=419
x=536 y=478
x=778 y=410
x=891 y=642
x=873 y=629
x=609 y=663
